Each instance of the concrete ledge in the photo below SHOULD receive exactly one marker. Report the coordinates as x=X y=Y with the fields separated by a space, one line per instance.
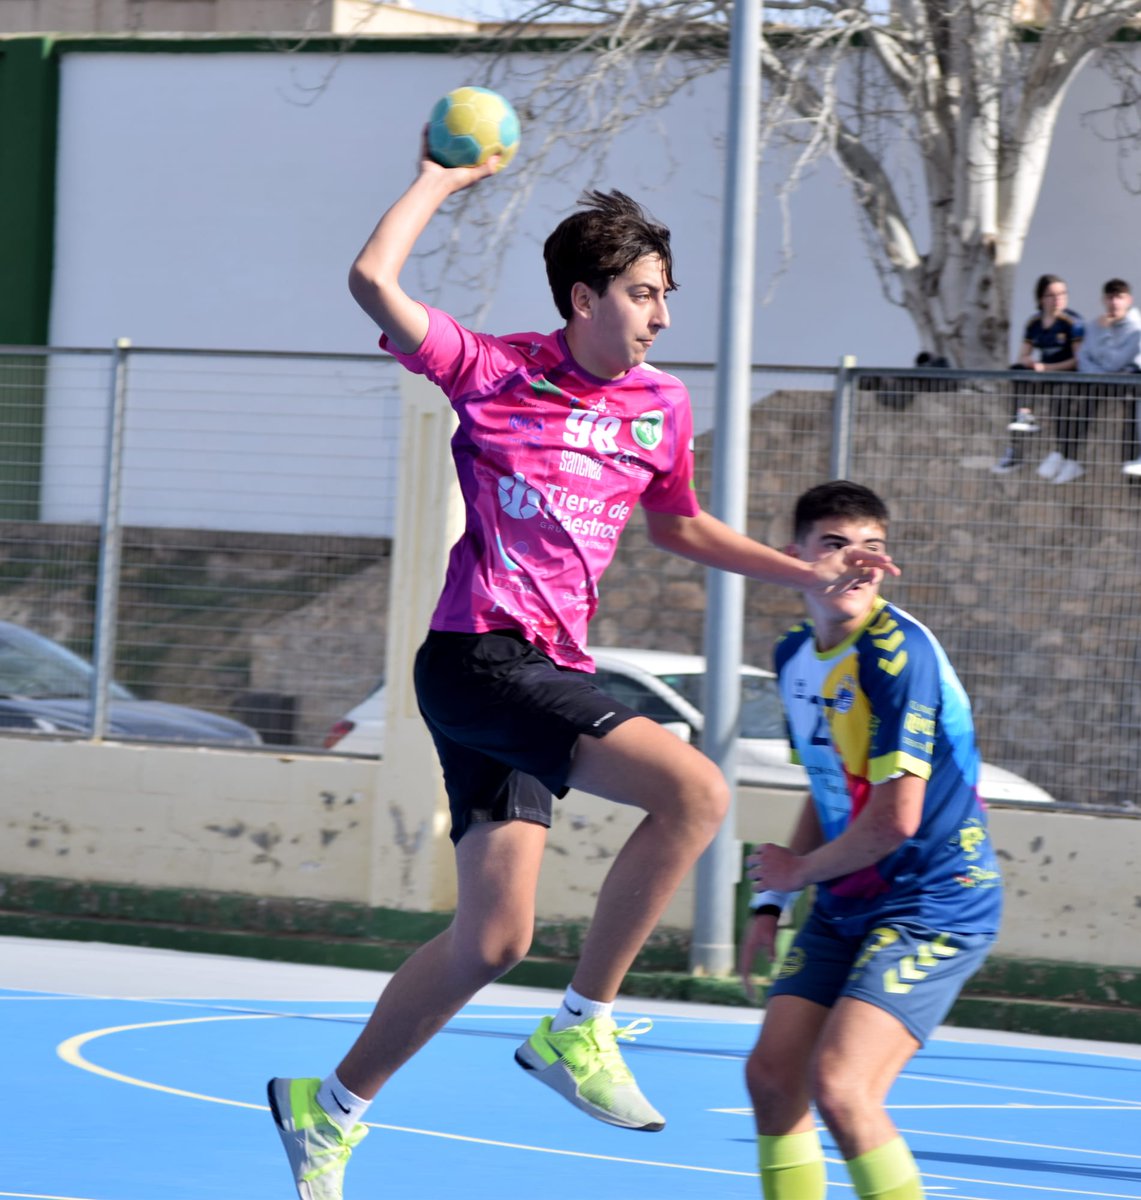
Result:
x=1019 y=995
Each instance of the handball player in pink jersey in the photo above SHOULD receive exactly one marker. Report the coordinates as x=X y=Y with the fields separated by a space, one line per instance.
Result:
x=560 y=435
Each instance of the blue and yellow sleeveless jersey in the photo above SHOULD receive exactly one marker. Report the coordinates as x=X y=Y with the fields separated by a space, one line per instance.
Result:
x=885 y=701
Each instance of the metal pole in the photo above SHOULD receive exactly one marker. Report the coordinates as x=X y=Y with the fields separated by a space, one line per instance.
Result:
x=110 y=545
x=718 y=870
x=840 y=458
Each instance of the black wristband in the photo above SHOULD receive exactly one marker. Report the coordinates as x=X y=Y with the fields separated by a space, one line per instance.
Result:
x=768 y=910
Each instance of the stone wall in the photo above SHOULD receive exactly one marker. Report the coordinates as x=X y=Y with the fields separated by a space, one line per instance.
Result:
x=1033 y=589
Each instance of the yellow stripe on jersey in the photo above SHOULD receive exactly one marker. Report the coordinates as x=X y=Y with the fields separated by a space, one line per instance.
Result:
x=886 y=635
x=884 y=623
x=888 y=765
x=893 y=666
x=889 y=643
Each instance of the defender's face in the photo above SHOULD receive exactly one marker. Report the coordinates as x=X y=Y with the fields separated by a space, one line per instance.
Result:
x=614 y=332
x=843 y=613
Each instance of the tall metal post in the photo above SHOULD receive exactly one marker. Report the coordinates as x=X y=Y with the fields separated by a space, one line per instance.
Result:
x=711 y=950
x=110 y=544
x=840 y=456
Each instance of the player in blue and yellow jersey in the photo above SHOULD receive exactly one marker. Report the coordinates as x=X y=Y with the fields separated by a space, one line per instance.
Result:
x=894 y=838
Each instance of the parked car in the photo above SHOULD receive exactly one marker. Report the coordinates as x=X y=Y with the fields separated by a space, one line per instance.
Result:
x=45 y=688
x=667 y=688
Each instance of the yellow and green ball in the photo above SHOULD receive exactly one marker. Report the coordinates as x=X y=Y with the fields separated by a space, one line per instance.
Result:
x=468 y=125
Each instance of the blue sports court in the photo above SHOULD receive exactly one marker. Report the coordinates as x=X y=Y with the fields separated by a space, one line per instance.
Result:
x=138 y=1074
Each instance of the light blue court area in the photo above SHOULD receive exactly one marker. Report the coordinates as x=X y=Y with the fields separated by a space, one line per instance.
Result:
x=139 y=1075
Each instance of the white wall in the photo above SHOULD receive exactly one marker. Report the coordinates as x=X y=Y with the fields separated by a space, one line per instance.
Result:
x=217 y=200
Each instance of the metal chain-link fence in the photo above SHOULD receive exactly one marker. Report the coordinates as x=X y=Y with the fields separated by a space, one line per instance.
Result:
x=1033 y=586
x=219 y=524
x=218 y=528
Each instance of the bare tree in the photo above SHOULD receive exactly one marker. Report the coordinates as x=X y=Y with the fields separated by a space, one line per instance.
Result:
x=940 y=113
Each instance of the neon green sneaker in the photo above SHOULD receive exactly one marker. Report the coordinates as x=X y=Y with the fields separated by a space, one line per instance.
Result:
x=583 y=1064
x=317 y=1146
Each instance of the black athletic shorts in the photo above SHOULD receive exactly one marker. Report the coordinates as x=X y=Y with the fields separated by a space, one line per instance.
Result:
x=505 y=720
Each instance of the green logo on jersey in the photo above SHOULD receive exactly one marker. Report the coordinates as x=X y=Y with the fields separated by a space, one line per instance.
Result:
x=541 y=386
x=647 y=429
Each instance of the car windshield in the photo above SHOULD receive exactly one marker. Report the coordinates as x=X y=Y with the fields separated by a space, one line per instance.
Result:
x=761 y=714
x=39 y=669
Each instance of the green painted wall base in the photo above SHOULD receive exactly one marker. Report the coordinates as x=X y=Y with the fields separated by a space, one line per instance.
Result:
x=1079 y=1000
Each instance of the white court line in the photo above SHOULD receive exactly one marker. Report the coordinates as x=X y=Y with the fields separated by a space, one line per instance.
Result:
x=71 y=1052
x=965 y=1196
x=1015 y=1106
x=975 y=1137
x=1024 y=1091
x=41 y=1196
x=1032 y=1187
x=1010 y=1106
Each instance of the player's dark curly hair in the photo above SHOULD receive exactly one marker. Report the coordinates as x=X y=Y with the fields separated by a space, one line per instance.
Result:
x=837 y=498
x=594 y=245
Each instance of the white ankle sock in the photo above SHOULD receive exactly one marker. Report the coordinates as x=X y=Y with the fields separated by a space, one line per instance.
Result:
x=575 y=1009
x=344 y=1107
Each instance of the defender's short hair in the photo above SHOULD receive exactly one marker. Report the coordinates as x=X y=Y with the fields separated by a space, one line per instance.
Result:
x=837 y=498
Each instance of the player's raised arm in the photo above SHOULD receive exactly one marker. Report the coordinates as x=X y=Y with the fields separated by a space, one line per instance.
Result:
x=374 y=279
x=709 y=541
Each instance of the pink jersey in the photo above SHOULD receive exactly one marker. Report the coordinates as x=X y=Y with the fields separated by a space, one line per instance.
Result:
x=550 y=462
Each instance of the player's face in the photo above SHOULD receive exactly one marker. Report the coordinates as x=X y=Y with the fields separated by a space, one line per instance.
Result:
x=837 y=616
x=612 y=333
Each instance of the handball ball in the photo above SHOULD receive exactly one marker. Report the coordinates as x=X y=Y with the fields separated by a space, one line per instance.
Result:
x=469 y=125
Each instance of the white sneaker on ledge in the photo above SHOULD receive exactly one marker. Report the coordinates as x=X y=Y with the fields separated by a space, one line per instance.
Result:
x=1050 y=465
x=1024 y=422
x=1068 y=471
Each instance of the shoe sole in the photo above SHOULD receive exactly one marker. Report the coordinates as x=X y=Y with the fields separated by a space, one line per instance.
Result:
x=560 y=1080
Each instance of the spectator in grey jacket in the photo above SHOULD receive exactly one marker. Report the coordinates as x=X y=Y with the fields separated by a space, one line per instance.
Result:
x=1113 y=343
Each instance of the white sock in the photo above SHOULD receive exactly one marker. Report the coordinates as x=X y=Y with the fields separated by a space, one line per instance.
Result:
x=575 y=1009
x=342 y=1106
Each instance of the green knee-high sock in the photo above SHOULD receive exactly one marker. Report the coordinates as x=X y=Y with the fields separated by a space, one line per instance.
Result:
x=886 y=1173
x=792 y=1166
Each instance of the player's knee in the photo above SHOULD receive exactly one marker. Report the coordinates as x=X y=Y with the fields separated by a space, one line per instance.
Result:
x=840 y=1098
x=497 y=955
x=705 y=801
x=770 y=1082
x=717 y=798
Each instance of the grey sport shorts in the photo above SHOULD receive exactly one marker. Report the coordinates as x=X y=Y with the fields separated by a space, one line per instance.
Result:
x=505 y=719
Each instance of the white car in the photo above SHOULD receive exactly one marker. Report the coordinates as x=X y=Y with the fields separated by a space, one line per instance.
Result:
x=667 y=688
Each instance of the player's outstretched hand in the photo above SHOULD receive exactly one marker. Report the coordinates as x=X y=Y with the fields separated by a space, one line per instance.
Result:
x=760 y=938
x=849 y=567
